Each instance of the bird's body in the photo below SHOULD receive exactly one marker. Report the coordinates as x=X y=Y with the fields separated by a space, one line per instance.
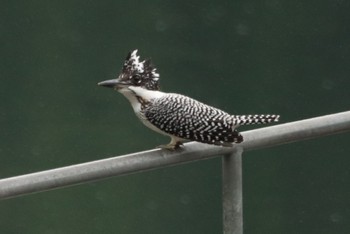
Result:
x=175 y=115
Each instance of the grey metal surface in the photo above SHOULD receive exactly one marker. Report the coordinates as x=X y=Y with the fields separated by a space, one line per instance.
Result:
x=153 y=159
x=232 y=203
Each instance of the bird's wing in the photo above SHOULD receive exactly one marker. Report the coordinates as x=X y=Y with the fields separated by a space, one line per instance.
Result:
x=192 y=120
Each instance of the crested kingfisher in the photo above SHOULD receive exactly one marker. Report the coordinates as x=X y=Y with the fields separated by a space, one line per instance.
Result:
x=180 y=117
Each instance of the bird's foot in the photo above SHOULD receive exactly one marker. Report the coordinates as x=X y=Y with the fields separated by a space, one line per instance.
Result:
x=171 y=146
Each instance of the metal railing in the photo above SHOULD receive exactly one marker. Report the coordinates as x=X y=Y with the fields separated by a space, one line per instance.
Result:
x=154 y=159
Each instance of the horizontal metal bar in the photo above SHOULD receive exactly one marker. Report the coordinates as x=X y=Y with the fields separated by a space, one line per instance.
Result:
x=153 y=159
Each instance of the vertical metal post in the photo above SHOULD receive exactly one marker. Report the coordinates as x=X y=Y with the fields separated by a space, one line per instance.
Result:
x=232 y=192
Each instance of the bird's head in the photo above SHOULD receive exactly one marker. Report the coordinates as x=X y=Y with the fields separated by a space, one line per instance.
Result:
x=135 y=73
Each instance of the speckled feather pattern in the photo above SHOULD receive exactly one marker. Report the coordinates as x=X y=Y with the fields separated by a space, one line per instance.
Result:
x=189 y=119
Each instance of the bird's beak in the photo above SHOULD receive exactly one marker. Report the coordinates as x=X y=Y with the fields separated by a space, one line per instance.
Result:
x=109 y=83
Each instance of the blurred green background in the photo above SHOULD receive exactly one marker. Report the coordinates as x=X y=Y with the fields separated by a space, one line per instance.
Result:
x=286 y=57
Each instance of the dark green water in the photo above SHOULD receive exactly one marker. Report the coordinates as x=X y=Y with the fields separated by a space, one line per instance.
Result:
x=283 y=57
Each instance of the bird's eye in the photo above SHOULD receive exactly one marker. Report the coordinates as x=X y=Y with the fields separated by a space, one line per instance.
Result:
x=137 y=78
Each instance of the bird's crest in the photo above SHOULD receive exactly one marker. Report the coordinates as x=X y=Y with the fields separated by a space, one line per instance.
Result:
x=139 y=73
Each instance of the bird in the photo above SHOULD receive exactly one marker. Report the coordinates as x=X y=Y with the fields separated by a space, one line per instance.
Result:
x=175 y=115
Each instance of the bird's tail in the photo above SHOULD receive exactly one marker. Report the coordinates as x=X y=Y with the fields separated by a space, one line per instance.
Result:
x=254 y=119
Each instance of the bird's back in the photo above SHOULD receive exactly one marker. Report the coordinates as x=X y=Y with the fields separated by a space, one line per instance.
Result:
x=189 y=119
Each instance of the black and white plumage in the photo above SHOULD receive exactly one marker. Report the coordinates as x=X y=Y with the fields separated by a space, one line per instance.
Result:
x=178 y=116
